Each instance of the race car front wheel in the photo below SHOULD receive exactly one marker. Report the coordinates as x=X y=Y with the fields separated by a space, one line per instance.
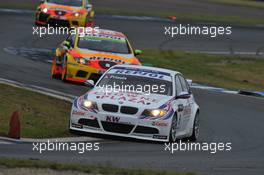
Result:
x=173 y=129
x=196 y=129
x=64 y=71
x=89 y=22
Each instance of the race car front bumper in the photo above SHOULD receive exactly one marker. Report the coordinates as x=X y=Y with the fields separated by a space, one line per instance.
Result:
x=81 y=73
x=59 y=21
x=119 y=125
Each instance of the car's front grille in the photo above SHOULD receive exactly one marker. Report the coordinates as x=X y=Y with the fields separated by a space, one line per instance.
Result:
x=106 y=64
x=110 y=108
x=117 y=127
x=128 y=110
x=146 y=130
x=88 y=122
x=58 y=22
x=81 y=74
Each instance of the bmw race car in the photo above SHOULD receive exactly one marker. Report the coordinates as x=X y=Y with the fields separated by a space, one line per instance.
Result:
x=86 y=56
x=65 y=13
x=138 y=102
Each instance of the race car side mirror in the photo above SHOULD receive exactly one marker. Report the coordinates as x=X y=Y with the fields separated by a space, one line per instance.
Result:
x=183 y=95
x=189 y=82
x=89 y=6
x=89 y=83
x=138 y=52
x=66 y=44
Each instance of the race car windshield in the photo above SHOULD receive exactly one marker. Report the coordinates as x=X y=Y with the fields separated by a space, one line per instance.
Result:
x=104 y=44
x=136 y=84
x=76 y=3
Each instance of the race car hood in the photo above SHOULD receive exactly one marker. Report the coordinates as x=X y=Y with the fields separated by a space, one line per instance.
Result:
x=52 y=6
x=132 y=99
x=92 y=52
x=95 y=55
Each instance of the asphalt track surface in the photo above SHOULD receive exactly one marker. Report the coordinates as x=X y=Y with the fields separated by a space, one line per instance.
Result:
x=224 y=117
x=199 y=7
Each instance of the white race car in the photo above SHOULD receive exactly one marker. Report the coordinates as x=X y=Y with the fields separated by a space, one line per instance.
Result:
x=138 y=102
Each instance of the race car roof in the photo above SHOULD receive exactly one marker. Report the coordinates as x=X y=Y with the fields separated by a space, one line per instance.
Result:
x=106 y=33
x=148 y=68
x=166 y=74
x=111 y=33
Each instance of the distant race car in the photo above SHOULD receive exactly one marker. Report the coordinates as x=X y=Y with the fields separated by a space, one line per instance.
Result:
x=87 y=57
x=160 y=108
x=65 y=13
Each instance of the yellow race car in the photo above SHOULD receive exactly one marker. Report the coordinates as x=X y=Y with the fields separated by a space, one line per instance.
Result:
x=86 y=57
x=65 y=13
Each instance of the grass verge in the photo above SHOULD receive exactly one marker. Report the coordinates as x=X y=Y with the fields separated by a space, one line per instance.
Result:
x=187 y=17
x=181 y=17
x=233 y=72
x=41 y=116
x=244 y=3
x=99 y=170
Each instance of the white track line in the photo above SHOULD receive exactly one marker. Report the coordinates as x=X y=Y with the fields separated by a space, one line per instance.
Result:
x=5 y=143
x=229 y=53
x=16 y=11
x=45 y=91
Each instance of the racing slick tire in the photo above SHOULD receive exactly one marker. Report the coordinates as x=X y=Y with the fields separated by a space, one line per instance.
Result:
x=173 y=128
x=89 y=22
x=64 y=71
x=196 y=130
x=54 y=75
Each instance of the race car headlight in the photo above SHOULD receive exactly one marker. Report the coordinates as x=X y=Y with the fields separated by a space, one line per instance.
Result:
x=76 y=14
x=45 y=10
x=87 y=104
x=155 y=113
x=82 y=61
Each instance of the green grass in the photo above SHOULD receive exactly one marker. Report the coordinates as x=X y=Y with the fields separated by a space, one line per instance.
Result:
x=243 y=3
x=231 y=72
x=99 y=170
x=41 y=116
x=187 y=17
x=181 y=17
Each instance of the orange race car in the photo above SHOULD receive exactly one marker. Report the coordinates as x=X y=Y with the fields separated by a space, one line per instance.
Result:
x=65 y=13
x=86 y=57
